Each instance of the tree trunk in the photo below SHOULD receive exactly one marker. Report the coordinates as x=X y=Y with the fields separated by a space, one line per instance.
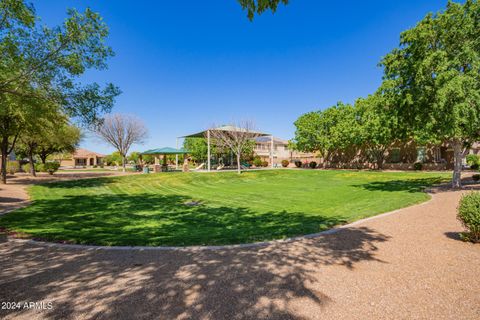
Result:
x=43 y=157
x=4 y=148
x=32 y=164
x=123 y=163
x=239 y=169
x=457 y=164
x=380 y=159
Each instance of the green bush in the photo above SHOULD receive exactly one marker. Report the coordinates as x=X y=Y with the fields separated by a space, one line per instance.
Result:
x=264 y=164
x=285 y=163
x=476 y=177
x=39 y=167
x=13 y=167
x=298 y=163
x=26 y=167
x=257 y=162
x=51 y=167
x=473 y=161
x=312 y=164
x=417 y=166
x=469 y=215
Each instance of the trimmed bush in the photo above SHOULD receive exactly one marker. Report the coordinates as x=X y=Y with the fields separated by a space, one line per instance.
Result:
x=51 y=167
x=39 y=167
x=417 y=166
x=476 y=177
x=26 y=168
x=473 y=161
x=298 y=163
x=257 y=162
x=285 y=163
x=13 y=167
x=264 y=164
x=469 y=216
x=312 y=164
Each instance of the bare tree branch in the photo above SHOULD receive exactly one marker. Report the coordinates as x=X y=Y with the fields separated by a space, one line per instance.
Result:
x=121 y=131
x=236 y=137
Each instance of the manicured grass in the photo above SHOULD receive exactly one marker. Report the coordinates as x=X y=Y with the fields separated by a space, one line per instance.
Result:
x=156 y=209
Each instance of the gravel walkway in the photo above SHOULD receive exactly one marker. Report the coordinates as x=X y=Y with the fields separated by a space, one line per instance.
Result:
x=406 y=265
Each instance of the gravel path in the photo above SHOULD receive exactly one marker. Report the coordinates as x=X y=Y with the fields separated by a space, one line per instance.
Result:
x=406 y=265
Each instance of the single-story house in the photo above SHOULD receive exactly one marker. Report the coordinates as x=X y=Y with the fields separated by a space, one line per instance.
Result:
x=82 y=158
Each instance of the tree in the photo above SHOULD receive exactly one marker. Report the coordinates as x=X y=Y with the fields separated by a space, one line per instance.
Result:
x=41 y=65
x=238 y=140
x=121 y=131
x=59 y=139
x=326 y=131
x=375 y=127
x=259 y=6
x=134 y=157
x=433 y=79
x=113 y=159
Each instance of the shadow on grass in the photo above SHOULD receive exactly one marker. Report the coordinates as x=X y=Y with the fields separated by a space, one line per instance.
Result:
x=263 y=282
x=156 y=220
x=408 y=185
x=85 y=182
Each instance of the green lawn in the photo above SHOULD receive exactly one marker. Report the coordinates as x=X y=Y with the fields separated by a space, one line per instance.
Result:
x=155 y=209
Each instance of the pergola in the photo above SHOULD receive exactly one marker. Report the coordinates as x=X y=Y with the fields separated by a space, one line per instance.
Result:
x=165 y=151
x=206 y=133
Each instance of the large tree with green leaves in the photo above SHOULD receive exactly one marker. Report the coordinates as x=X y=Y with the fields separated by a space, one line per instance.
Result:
x=40 y=65
x=375 y=128
x=434 y=79
x=326 y=131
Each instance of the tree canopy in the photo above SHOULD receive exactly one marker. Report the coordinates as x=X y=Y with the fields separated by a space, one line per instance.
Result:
x=259 y=6
x=41 y=66
x=433 y=78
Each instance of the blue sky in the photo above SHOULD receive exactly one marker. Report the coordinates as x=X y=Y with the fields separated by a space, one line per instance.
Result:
x=185 y=65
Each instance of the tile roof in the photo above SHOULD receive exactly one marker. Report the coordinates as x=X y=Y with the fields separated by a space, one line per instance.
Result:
x=84 y=153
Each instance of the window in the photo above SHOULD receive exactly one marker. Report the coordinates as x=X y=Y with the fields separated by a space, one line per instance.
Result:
x=421 y=152
x=80 y=162
x=395 y=155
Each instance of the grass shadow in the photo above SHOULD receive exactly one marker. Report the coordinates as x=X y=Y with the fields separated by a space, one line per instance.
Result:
x=156 y=220
x=408 y=185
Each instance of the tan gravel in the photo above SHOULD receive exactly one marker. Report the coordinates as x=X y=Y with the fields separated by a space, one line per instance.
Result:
x=406 y=265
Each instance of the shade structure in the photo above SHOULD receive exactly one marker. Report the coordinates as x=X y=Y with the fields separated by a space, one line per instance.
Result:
x=204 y=133
x=166 y=150
x=228 y=128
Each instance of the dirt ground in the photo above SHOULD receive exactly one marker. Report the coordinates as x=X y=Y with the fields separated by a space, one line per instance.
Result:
x=409 y=264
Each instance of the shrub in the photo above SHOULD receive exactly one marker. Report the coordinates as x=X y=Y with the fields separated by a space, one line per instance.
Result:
x=51 y=167
x=26 y=167
x=257 y=162
x=473 y=161
x=264 y=164
x=469 y=216
x=39 y=167
x=417 y=166
x=298 y=163
x=94 y=166
x=13 y=167
x=312 y=164
x=285 y=163
x=476 y=177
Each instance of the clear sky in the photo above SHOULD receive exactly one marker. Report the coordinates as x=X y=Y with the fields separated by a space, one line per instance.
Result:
x=185 y=65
